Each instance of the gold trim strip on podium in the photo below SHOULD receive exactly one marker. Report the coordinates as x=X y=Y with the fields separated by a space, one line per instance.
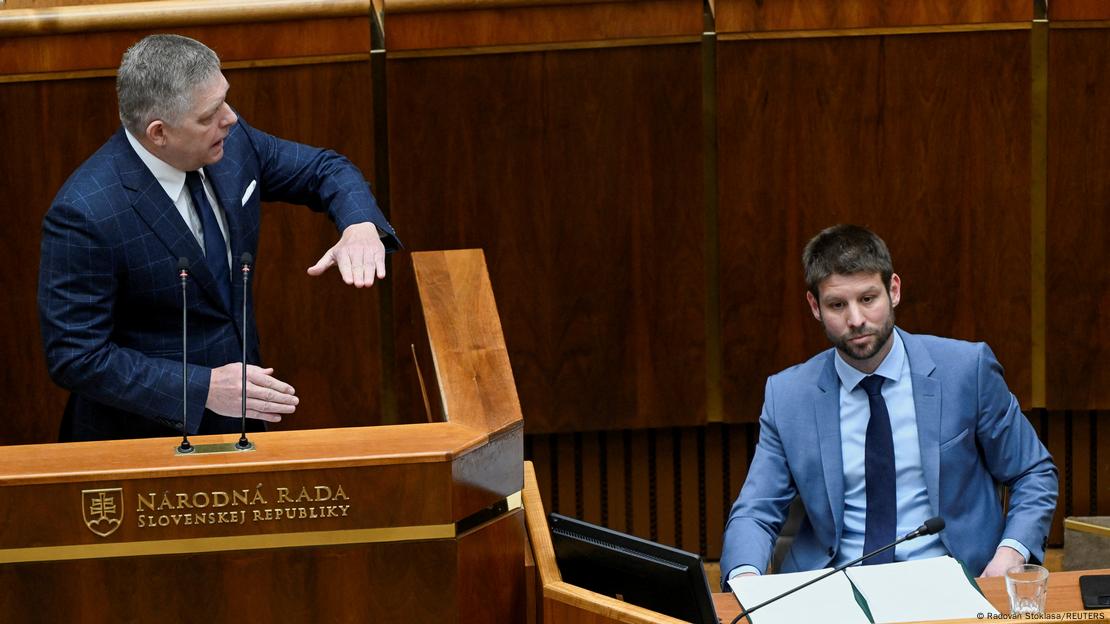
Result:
x=244 y=542
x=872 y=32
x=231 y=542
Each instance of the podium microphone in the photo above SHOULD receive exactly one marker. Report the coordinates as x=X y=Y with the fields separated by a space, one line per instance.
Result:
x=183 y=272
x=245 y=261
x=931 y=526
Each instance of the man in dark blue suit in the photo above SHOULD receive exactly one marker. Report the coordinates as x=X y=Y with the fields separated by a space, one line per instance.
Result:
x=183 y=178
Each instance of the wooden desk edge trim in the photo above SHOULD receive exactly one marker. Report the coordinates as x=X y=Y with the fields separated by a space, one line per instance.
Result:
x=169 y=13
x=538 y=534
x=474 y=441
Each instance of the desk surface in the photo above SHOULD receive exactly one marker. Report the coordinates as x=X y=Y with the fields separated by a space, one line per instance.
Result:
x=1063 y=595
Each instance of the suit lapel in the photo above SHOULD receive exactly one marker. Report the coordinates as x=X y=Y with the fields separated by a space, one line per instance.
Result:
x=826 y=408
x=223 y=179
x=155 y=208
x=926 y=403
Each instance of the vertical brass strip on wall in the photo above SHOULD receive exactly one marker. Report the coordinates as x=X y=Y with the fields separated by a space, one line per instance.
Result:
x=1038 y=195
x=387 y=390
x=713 y=348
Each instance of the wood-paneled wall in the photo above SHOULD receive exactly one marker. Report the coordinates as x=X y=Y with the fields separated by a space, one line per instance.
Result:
x=540 y=158
x=642 y=191
x=864 y=130
x=1078 y=232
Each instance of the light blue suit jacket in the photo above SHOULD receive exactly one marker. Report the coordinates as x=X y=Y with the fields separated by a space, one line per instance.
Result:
x=972 y=435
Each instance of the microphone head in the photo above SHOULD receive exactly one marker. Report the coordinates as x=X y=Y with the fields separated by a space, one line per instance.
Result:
x=182 y=264
x=933 y=526
x=246 y=258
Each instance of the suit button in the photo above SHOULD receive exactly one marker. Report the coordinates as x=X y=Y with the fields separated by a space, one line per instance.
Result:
x=831 y=551
x=180 y=427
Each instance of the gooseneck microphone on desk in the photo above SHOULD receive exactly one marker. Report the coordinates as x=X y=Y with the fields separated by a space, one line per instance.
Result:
x=931 y=526
x=183 y=273
x=245 y=261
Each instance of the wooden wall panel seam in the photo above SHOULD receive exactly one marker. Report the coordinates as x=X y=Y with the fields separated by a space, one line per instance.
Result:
x=714 y=410
x=1038 y=206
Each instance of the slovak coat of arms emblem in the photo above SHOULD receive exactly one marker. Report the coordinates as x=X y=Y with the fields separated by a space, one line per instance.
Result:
x=103 y=510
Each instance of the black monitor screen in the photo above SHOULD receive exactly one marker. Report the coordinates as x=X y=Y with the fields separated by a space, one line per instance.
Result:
x=639 y=572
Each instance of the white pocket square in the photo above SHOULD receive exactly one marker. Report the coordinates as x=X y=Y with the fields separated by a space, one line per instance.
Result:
x=250 y=191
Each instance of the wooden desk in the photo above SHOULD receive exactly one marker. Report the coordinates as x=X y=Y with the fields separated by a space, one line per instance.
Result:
x=1063 y=597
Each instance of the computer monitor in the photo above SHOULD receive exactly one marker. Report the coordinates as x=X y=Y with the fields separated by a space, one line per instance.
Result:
x=637 y=571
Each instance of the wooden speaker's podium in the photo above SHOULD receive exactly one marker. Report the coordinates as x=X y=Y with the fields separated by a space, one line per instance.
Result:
x=407 y=523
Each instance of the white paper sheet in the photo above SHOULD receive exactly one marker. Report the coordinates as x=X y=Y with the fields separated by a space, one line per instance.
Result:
x=828 y=600
x=925 y=589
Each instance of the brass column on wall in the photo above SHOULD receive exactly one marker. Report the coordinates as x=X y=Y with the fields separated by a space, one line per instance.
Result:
x=1038 y=191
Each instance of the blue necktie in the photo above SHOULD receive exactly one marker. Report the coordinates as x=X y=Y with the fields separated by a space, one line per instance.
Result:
x=215 y=248
x=882 y=514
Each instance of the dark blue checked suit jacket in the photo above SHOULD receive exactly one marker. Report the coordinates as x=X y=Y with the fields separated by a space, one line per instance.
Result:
x=110 y=296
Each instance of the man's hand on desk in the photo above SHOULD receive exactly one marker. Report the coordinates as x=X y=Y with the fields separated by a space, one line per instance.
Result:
x=1004 y=559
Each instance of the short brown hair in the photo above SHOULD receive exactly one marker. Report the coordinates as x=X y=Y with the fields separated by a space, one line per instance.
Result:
x=845 y=250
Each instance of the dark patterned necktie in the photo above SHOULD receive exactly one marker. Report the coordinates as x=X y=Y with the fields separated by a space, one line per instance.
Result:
x=215 y=248
x=882 y=515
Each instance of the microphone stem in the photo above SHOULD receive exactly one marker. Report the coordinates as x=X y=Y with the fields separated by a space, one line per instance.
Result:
x=823 y=576
x=184 y=447
x=243 y=442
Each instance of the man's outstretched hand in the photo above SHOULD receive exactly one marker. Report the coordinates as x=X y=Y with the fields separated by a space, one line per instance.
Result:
x=359 y=254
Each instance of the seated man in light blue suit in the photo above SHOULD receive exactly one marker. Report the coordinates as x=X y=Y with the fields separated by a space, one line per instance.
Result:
x=884 y=431
x=183 y=178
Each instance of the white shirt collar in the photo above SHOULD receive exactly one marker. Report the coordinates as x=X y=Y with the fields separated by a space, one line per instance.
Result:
x=890 y=367
x=171 y=178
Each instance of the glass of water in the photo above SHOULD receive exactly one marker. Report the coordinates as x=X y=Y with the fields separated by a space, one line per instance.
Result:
x=1027 y=586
